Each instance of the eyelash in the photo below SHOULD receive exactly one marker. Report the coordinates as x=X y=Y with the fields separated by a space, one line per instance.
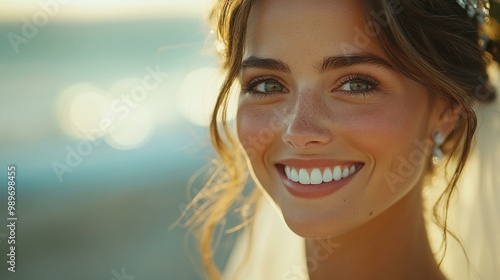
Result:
x=249 y=87
x=372 y=83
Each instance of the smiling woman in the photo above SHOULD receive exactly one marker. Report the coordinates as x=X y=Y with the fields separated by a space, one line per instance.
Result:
x=343 y=105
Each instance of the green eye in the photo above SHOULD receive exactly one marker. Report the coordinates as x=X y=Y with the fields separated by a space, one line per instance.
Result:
x=269 y=86
x=357 y=85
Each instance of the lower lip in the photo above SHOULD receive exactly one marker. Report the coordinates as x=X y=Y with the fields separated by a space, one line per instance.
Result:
x=314 y=191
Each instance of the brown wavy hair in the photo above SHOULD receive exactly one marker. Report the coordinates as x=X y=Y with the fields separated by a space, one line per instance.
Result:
x=433 y=42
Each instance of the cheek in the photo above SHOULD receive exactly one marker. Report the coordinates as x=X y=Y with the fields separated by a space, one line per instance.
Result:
x=380 y=128
x=393 y=137
x=257 y=129
x=387 y=128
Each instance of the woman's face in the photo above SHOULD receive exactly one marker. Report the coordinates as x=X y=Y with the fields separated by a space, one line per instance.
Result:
x=333 y=133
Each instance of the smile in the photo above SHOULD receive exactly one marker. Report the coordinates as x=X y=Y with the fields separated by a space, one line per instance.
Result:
x=316 y=176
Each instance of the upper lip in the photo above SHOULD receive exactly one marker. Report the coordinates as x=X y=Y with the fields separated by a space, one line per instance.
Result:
x=315 y=163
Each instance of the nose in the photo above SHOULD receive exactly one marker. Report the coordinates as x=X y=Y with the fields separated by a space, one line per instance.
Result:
x=308 y=126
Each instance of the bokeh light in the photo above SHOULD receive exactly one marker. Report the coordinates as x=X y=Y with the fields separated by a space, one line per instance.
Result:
x=198 y=94
x=131 y=133
x=81 y=107
x=119 y=116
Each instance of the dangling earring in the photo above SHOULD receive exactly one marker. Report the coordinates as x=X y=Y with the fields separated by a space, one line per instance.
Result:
x=437 y=155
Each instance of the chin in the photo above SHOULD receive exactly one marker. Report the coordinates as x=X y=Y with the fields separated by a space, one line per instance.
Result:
x=315 y=226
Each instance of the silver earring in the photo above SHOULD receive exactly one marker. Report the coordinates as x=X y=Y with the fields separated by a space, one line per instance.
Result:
x=437 y=154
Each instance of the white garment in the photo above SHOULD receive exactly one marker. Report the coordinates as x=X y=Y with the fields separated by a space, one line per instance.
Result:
x=475 y=215
x=278 y=253
x=275 y=251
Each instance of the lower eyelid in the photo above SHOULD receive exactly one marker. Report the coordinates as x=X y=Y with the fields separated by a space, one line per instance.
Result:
x=256 y=81
x=372 y=83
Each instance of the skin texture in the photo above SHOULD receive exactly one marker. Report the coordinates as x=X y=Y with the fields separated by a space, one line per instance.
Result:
x=365 y=113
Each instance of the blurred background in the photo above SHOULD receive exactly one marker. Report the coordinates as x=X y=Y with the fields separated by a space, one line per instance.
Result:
x=103 y=111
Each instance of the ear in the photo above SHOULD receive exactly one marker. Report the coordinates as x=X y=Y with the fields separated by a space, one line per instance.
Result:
x=448 y=119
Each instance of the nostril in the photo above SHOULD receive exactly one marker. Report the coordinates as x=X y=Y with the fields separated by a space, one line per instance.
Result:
x=305 y=142
x=300 y=136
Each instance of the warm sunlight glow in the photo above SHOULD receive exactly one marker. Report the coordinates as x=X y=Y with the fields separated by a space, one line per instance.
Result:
x=122 y=116
x=13 y=10
x=81 y=108
x=198 y=93
x=132 y=133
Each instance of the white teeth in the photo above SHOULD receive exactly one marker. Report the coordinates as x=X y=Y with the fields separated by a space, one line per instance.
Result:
x=352 y=170
x=327 y=175
x=337 y=173
x=304 y=177
x=294 y=175
x=345 y=174
x=316 y=177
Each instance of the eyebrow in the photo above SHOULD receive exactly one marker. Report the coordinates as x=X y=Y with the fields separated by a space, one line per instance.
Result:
x=328 y=64
x=335 y=62
x=265 y=63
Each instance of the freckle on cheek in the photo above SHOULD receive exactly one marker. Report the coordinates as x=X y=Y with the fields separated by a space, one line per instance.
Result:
x=254 y=126
x=248 y=119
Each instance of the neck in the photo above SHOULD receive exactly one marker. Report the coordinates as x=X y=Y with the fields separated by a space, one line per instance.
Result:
x=393 y=245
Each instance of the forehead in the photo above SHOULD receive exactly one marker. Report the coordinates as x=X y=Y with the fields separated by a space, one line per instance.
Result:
x=293 y=29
